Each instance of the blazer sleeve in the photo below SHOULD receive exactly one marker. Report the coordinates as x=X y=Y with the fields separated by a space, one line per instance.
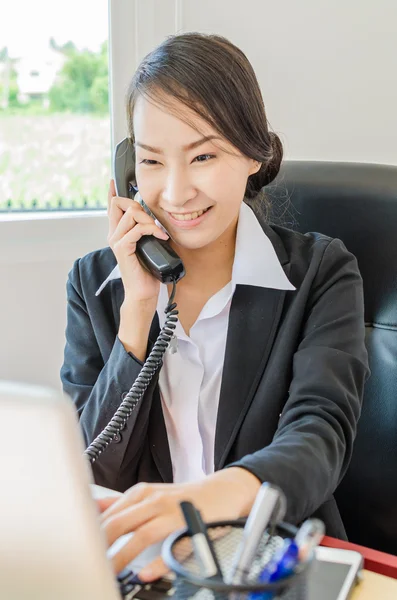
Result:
x=312 y=446
x=97 y=386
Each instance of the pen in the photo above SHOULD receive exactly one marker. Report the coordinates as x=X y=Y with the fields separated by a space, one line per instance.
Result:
x=309 y=536
x=282 y=565
x=269 y=508
x=291 y=554
x=203 y=547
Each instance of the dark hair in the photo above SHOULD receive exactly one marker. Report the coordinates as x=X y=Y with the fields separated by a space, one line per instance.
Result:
x=214 y=78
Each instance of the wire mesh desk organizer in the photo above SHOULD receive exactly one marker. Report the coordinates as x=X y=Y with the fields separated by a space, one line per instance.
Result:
x=260 y=559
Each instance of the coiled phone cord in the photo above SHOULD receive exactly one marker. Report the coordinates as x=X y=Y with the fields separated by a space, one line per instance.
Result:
x=130 y=402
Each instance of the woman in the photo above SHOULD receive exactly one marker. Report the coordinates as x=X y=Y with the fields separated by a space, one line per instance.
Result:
x=267 y=380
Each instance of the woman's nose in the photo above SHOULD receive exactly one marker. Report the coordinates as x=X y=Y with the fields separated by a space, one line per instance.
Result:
x=178 y=190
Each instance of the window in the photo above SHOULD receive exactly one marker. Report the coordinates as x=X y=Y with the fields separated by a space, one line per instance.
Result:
x=55 y=149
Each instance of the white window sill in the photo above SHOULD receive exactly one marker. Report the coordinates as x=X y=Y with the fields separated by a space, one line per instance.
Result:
x=50 y=236
x=49 y=215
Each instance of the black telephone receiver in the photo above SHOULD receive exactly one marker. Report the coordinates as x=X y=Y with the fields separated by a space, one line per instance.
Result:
x=156 y=255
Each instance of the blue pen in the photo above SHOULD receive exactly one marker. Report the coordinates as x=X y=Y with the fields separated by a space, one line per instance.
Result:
x=281 y=565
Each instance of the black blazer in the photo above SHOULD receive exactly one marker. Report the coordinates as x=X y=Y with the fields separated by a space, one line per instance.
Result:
x=292 y=384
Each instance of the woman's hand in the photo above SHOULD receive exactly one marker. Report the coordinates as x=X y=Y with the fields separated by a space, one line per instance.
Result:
x=128 y=222
x=152 y=512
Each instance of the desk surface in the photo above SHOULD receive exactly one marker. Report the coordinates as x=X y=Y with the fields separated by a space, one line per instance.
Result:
x=374 y=586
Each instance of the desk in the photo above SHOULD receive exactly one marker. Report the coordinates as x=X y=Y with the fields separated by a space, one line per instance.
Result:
x=374 y=587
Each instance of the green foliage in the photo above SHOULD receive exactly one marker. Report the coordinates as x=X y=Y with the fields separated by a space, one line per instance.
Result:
x=3 y=54
x=12 y=83
x=65 y=48
x=13 y=94
x=82 y=85
x=99 y=94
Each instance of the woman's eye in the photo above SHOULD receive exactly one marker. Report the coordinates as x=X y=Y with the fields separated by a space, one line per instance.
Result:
x=147 y=161
x=204 y=157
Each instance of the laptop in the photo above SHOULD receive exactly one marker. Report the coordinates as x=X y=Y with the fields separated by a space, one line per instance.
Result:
x=51 y=544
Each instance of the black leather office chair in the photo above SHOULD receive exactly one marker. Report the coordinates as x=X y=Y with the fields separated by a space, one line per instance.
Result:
x=357 y=203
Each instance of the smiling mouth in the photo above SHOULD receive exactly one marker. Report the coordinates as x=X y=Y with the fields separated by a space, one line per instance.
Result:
x=189 y=216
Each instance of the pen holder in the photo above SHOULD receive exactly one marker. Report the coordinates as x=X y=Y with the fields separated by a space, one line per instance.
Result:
x=178 y=554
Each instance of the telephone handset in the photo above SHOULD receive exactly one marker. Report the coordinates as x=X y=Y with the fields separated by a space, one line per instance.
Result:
x=162 y=261
x=156 y=255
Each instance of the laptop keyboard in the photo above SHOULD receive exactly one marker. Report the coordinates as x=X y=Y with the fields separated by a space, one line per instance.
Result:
x=131 y=587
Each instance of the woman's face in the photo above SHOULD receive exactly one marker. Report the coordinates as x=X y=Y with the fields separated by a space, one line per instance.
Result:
x=193 y=182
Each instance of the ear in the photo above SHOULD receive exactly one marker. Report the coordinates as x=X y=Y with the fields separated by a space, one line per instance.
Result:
x=254 y=167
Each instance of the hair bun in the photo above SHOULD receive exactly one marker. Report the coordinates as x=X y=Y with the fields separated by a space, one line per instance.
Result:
x=269 y=170
x=273 y=166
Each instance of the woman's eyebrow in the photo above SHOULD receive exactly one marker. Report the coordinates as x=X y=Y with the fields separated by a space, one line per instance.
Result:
x=191 y=146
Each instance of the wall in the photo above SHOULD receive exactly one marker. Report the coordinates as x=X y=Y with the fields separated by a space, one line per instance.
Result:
x=327 y=71
x=35 y=258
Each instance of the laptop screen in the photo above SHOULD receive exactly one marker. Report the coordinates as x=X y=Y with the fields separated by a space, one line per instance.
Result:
x=50 y=542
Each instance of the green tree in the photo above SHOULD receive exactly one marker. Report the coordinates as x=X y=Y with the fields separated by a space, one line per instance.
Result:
x=3 y=54
x=8 y=81
x=82 y=85
x=66 y=48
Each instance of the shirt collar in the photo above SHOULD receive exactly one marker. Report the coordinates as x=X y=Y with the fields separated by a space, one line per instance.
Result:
x=255 y=259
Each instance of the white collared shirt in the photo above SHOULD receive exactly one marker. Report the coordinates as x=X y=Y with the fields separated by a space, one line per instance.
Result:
x=190 y=379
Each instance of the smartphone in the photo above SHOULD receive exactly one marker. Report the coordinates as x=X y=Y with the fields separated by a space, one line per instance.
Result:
x=334 y=574
x=155 y=255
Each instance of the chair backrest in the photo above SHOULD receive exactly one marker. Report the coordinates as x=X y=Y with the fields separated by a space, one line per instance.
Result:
x=357 y=203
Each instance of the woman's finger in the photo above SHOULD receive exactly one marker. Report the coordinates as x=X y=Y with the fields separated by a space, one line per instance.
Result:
x=129 y=240
x=128 y=520
x=128 y=220
x=136 y=515
x=111 y=192
x=154 y=570
x=152 y=532
x=104 y=503
x=118 y=206
x=132 y=496
x=135 y=494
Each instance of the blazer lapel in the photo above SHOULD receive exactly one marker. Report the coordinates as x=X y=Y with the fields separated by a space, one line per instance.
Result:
x=254 y=316
x=253 y=322
x=117 y=294
x=158 y=439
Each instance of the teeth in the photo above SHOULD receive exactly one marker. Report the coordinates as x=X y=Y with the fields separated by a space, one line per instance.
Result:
x=189 y=216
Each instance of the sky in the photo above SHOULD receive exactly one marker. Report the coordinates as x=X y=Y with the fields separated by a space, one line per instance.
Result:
x=25 y=25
